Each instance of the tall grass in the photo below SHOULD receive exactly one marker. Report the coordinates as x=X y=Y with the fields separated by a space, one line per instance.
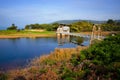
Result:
x=61 y=54
x=46 y=65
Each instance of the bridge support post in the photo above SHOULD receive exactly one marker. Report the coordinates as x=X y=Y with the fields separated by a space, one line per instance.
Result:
x=93 y=35
x=58 y=34
x=99 y=33
x=96 y=33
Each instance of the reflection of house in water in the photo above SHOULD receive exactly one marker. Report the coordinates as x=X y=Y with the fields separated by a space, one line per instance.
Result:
x=62 y=38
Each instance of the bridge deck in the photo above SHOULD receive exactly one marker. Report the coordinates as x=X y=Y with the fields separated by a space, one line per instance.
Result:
x=82 y=35
x=75 y=34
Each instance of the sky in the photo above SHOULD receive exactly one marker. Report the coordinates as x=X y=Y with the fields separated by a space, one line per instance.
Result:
x=23 y=12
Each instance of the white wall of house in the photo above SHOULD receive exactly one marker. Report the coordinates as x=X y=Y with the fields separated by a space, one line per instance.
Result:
x=65 y=29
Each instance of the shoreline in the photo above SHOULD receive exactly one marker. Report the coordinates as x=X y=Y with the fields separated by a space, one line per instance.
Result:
x=44 y=61
x=26 y=35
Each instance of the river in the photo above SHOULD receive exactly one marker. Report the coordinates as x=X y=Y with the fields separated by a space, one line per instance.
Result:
x=15 y=53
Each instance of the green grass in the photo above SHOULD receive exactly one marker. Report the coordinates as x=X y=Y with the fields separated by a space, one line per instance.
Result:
x=8 y=32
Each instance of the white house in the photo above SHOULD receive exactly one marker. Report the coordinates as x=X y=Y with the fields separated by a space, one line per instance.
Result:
x=63 y=29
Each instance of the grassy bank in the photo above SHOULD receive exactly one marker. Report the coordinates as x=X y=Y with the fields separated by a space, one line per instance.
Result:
x=25 y=33
x=46 y=67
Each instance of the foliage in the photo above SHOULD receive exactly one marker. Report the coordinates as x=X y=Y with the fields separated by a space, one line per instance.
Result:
x=48 y=27
x=110 y=21
x=3 y=76
x=81 y=26
x=75 y=27
x=104 y=56
x=68 y=74
x=13 y=27
x=79 y=40
x=111 y=25
x=20 y=78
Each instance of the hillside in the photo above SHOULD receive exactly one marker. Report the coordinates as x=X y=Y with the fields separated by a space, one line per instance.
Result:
x=72 y=21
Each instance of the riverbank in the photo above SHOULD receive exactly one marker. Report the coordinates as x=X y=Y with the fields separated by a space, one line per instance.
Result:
x=98 y=62
x=80 y=63
x=38 y=33
x=23 y=33
x=46 y=66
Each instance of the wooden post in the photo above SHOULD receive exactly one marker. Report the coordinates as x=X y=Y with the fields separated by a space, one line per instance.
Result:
x=93 y=35
x=99 y=33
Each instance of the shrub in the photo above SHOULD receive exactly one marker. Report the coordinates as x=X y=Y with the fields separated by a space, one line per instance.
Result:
x=3 y=76
x=105 y=55
x=20 y=78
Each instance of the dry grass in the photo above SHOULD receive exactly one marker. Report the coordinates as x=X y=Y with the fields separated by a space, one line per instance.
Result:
x=26 y=36
x=41 y=68
x=58 y=55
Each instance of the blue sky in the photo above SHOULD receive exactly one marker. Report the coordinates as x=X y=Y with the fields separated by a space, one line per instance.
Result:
x=22 y=12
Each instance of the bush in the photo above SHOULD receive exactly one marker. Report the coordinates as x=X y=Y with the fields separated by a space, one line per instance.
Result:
x=20 y=78
x=3 y=76
x=105 y=54
x=13 y=27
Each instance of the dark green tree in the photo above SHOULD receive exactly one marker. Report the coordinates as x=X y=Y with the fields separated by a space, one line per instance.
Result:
x=110 y=21
x=111 y=25
x=27 y=27
x=13 y=27
x=55 y=26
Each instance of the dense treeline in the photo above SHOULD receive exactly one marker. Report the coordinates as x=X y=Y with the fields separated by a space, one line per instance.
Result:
x=80 y=26
x=111 y=25
x=48 y=27
x=75 y=27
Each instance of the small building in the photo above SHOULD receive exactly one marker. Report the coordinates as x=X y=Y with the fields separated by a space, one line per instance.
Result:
x=63 y=29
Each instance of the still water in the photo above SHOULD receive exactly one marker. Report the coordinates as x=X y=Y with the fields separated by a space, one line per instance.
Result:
x=15 y=53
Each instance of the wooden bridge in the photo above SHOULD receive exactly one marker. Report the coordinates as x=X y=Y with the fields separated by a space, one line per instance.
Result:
x=95 y=34
x=74 y=34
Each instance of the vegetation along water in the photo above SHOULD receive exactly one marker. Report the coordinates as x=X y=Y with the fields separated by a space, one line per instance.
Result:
x=101 y=61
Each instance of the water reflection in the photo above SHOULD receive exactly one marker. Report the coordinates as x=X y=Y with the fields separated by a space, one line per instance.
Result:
x=15 y=53
x=63 y=39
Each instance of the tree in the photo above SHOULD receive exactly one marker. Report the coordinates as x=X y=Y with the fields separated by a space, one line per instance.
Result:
x=55 y=26
x=13 y=27
x=111 y=25
x=110 y=21
x=81 y=26
x=27 y=27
